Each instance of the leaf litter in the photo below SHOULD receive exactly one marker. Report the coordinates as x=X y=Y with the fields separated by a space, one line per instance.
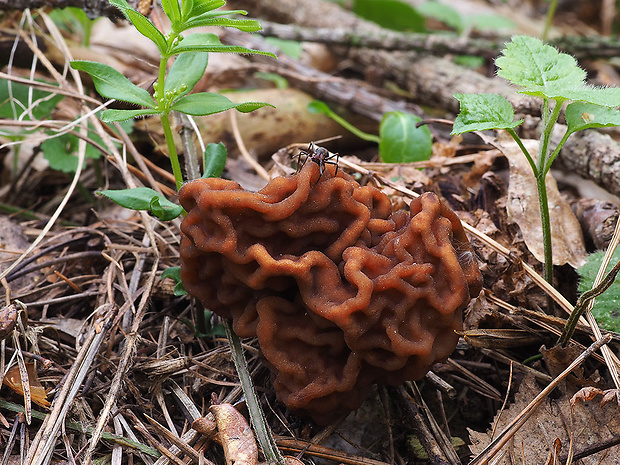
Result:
x=108 y=268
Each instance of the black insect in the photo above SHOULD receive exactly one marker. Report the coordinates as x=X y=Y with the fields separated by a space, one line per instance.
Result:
x=318 y=155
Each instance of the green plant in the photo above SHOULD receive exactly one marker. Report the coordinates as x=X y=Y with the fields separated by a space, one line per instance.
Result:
x=400 y=139
x=541 y=71
x=173 y=87
x=172 y=93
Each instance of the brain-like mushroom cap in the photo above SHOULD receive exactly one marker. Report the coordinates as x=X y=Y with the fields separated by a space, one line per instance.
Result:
x=340 y=292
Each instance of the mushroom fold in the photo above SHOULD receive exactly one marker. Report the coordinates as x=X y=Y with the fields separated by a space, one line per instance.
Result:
x=340 y=291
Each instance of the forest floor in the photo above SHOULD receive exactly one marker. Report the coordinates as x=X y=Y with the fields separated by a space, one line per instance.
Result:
x=102 y=362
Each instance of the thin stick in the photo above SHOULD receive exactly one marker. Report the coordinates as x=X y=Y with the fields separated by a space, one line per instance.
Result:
x=244 y=152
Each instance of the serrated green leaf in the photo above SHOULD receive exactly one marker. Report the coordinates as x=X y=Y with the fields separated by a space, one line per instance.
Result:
x=401 y=141
x=144 y=198
x=391 y=14
x=110 y=83
x=172 y=10
x=187 y=70
x=110 y=116
x=604 y=96
x=480 y=112
x=215 y=160
x=206 y=103
x=606 y=305
x=539 y=69
x=581 y=115
x=174 y=273
x=142 y=24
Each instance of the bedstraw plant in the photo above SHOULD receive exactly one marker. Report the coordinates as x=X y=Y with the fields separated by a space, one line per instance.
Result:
x=541 y=71
x=172 y=93
x=173 y=85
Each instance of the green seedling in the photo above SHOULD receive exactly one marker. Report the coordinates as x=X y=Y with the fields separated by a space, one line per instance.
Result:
x=399 y=139
x=541 y=71
x=173 y=87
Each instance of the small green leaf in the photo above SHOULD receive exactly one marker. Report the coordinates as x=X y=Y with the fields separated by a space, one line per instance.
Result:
x=606 y=305
x=403 y=142
x=172 y=10
x=208 y=42
x=186 y=9
x=174 y=273
x=245 y=25
x=483 y=111
x=142 y=24
x=110 y=116
x=206 y=103
x=291 y=48
x=442 y=12
x=391 y=14
x=61 y=152
x=489 y=22
x=144 y=198
x=539 y=69
x=215 y=160
x=580 y=116
x=112 y=84
x=186 y=71
x=318 y=106
x=202 y=6
x=24 y=102
x=279 y=81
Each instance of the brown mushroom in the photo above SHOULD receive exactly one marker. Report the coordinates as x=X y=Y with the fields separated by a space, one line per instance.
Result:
x=340 y=291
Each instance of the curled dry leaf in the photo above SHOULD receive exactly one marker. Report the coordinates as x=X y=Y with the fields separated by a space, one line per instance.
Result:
x=235 y=435
x=523 y=208
x=8 y=318
x=13 y=380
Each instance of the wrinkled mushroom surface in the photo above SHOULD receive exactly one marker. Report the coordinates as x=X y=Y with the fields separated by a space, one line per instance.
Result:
x=340 y=291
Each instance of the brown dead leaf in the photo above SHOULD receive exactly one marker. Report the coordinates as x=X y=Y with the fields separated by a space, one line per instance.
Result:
x=553 y=420
x=523 y=208
x=13 y=380
x=235 y=435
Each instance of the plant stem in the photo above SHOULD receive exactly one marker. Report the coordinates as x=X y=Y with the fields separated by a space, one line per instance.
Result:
x=172 y=151
x=549 y=20
x=546 y=226
x=549 y=120
x=165 y=122
x=263 y=433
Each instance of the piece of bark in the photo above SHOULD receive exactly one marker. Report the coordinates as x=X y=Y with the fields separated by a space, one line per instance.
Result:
x=94 y=8
x=356 y=95
x=434 y=44
x=598 y=220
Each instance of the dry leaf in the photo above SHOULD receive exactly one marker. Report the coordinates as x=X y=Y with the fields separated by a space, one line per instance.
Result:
x=13 y=380
x=235 y=435
x=523 y=208
x=553 y=420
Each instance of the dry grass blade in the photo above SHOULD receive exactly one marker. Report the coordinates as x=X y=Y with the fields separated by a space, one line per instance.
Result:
x=43 y=444
x=492 y=449
x=124 y=364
